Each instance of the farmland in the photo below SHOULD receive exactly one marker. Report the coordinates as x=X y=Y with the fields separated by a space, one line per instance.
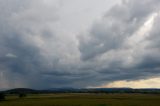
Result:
x=83 y=99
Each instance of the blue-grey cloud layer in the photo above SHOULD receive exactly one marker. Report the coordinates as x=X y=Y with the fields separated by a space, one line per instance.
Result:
x=124 y=44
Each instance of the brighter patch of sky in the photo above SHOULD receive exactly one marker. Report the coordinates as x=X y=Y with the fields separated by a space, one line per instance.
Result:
x=78 y=15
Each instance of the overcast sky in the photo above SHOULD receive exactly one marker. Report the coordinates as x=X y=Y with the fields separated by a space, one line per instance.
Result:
x=79 y=43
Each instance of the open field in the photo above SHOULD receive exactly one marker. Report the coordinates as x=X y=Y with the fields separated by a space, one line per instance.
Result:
x=83 y=99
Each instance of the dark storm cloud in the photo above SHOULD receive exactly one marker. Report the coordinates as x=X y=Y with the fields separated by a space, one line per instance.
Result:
x=35 y=53
x=106 y=41
x=20 y=58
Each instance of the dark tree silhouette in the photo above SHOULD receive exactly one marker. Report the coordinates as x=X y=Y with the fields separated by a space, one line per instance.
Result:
x=2 y=96
x=22 y=95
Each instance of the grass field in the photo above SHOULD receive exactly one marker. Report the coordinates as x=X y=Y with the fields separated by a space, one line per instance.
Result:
x=83 y=100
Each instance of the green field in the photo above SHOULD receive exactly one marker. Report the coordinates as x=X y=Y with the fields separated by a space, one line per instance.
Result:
x=83 y=100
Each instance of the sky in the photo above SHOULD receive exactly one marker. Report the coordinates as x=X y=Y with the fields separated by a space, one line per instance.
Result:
x=79 y=43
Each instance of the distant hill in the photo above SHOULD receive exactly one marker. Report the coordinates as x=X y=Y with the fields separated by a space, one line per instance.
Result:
x=21 y=90
x=81 y=90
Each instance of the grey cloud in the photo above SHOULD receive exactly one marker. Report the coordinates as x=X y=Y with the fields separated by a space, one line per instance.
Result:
x=43 y=57
x=105 y=42
x=17 y=37
x=118 y=24
x=35 y=53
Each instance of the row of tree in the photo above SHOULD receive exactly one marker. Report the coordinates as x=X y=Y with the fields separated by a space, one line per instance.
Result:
x=2 y=96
